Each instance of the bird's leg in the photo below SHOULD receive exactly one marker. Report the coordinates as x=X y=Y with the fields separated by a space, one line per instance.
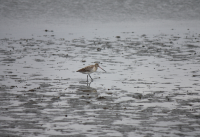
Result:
x=90 y=77
x=87 y=78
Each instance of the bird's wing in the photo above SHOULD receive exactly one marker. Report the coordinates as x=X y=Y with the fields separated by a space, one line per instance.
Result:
x=85 y=69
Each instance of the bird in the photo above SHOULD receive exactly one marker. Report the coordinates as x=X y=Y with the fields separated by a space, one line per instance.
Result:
x=89 y=69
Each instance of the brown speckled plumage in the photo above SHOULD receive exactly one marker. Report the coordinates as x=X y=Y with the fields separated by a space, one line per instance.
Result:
x=89 y=69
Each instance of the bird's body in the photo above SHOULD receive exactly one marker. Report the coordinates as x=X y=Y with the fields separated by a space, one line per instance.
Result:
x=89 y=69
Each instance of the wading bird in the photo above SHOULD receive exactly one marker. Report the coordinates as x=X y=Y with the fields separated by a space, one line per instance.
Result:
x=89 y=69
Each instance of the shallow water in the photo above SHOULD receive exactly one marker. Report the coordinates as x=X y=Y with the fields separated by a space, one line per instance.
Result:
x=150 y=88
x=150 y=51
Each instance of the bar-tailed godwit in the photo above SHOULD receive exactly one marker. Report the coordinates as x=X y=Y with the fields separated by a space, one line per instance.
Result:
x=89 y=69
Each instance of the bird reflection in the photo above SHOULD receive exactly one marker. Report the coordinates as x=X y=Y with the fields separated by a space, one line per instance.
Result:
x=88 y=83
x=87 y=87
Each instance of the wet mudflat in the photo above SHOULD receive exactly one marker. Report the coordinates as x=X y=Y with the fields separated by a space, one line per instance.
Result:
x=150 y=88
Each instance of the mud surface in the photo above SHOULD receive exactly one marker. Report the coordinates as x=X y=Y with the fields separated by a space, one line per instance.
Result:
x=151 y=87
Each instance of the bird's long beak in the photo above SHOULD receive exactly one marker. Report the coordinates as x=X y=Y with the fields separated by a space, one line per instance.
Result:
x=102 y=69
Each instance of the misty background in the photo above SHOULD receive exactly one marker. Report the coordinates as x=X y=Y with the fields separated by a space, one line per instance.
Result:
x=103 y=11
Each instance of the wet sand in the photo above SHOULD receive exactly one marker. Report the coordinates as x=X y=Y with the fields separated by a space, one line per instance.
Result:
x=150 y=88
